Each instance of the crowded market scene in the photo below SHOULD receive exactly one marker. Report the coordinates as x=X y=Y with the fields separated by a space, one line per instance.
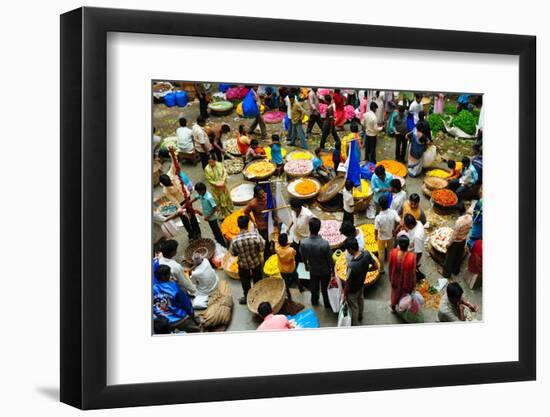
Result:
x=296 y=207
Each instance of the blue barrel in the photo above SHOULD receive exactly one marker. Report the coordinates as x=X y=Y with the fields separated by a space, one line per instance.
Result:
x=170 y=99
x=181 y=98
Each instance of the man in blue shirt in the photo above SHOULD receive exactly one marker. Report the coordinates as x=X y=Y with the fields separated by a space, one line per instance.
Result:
x=380 y=183
x=276 y=153
x=171 y=304
x=208 y=212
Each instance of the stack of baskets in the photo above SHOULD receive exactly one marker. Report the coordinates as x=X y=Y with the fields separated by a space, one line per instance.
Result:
x=270 y=289
x=433 y=183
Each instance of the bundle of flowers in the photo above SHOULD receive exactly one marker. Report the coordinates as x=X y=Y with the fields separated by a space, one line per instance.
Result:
x=305 y=187
x=236 y=93
x=394 y=167
x=298 y=167
x=330 y=231
x=444 y=197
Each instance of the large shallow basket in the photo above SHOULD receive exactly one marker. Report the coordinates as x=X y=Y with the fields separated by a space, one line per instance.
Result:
x=203 y=246
x=331 y=189
x=435 y=183
x=269 y=289
x=241 y=194
x=291 y=188
x=221 y=108
x=294 y=174
x=227 y=261
x=261 y=177
x=443 y=209
x=362 y=203
x=322 y=233
x=297 y=154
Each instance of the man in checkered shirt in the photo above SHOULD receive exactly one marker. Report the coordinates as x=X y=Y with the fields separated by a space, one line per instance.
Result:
x=248 y=246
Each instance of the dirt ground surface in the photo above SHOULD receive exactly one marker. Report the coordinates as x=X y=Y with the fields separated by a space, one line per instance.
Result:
x=377 y=311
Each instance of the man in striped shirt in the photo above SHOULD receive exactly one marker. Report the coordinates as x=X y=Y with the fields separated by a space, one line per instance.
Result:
x=455 y=249
x=248 y=246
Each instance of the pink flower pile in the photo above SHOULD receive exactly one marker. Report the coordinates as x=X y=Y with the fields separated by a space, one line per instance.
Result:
x=349 y=112
x=236 y=93
x=298 y=166
x=323 y=109
x=274 y=116
x=322 y=92
x=330 y=231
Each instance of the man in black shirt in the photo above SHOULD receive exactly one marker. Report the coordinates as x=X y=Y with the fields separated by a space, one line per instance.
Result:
x=360 y=262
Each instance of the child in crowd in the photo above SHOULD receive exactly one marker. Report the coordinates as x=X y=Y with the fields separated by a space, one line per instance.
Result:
x=319 y=169
x=209 y=211
x=453 y=305
x=337 y=155
x=386 y=223
x=287 y=265
x=243 y=142
x=399 y=196
x=455 y=173
x=348 y=202
x=254 y=152
x=277 y=153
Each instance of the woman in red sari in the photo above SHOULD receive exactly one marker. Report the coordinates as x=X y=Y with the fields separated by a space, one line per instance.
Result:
x=402 y=271
x=339 y=114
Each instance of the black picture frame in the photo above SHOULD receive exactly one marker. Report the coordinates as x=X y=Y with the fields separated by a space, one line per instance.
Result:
x=84 y=207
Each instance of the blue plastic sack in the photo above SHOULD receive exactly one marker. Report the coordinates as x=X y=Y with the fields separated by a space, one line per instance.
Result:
x=367 y=170
x=170 y=99
x=305 y=319
x=287 y=122
x=410 y=122
x=181 y=98
x=224 y=87
x=250 y=108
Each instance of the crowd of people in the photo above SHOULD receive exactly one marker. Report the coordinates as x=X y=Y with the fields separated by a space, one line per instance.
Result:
x=399 y=222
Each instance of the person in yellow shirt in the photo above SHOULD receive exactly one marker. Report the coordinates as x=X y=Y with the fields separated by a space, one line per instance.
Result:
x=287 y=265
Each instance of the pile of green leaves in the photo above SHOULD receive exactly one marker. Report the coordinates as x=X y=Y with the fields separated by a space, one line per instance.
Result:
x=475 y=113
x=450 y=109
x=466 y=122
x=436 y=123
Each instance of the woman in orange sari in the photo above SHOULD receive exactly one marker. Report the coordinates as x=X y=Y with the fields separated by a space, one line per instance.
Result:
x=402 y=271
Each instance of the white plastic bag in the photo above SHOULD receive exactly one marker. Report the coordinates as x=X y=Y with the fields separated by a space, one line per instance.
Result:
x=334 y=294
x=344 y=317
x=430 y=156
x=218 y=256
x=371 y=210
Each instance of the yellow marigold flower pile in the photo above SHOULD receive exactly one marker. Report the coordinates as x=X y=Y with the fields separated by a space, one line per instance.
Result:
x=305 y=187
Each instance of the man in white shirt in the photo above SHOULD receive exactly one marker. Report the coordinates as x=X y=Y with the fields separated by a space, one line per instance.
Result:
x=417 y=238
x=399 y=196
x=185 y=137
x=385 y=225
x=379 y=100
x=299 y=229
x=370 y=124
x=202 y=143
x=169 y=248
x=348 y=202
x=301 y=215
x=416 y=107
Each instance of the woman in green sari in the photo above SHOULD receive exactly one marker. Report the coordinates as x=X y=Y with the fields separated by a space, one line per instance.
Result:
x=216 y=176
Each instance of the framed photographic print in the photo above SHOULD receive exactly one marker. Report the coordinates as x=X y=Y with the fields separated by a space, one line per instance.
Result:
x=257 y=208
